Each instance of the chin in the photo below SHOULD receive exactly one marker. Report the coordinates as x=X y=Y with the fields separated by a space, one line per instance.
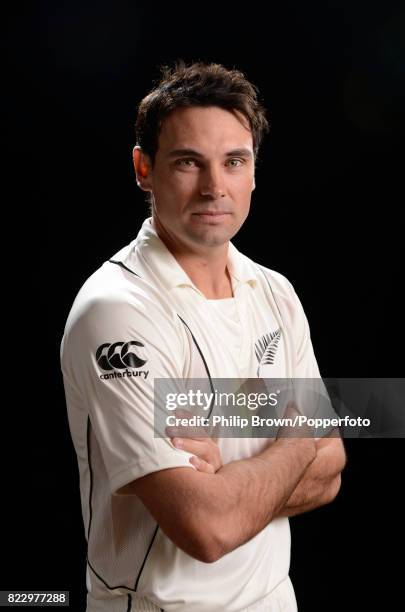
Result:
x=213 y=237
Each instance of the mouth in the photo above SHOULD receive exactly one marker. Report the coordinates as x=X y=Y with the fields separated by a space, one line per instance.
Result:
x=214 y=213
x=210 y=216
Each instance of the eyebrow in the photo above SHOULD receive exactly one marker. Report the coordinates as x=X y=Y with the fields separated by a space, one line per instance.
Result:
x=242 y=152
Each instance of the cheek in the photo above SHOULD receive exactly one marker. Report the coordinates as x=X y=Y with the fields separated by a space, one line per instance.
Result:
x=180 y=184
x=243 y=181
x=242 y=193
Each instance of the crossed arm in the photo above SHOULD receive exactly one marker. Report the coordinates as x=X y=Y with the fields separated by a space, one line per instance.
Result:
x=321 y=481
x=209 y=513
x=318 y=486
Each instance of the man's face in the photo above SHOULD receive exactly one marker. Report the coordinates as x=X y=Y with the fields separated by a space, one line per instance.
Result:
x=203 y=176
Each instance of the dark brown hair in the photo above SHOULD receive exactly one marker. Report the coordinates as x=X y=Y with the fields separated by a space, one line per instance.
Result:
x=198 y=84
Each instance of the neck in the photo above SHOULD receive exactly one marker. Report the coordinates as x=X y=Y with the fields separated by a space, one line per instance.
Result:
x=209 y=274
x=206 y=268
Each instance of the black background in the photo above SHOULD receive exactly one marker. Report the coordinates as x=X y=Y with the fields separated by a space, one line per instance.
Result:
x=327 y=213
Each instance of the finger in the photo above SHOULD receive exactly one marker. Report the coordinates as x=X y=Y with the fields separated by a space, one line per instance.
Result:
x=182 y=431
x=197 y=447
x=202 y=466
x=207 y=450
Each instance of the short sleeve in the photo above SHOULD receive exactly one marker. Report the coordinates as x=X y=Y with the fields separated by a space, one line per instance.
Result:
x=112 y=352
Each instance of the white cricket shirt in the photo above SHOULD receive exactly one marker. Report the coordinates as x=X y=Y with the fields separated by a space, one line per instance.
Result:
x=142 y=318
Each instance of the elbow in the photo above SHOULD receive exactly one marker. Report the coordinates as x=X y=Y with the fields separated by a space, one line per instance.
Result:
x=343 y=457
x=199 y=532
x=211 y=546
x=205 y=551
x=333 y=489
x=211 y=538
x=201 y=540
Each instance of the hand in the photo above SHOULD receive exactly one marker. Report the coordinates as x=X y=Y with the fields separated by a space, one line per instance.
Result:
x=206 y=454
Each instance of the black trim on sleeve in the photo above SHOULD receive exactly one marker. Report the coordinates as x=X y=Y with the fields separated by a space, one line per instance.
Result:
x=91 y=477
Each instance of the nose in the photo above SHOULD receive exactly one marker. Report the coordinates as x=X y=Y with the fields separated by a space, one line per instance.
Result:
x=212 y=183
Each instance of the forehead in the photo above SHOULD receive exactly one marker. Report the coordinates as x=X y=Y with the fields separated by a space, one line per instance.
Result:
x=204 y=127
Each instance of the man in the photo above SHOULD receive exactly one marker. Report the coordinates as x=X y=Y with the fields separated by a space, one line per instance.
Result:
x=165 y=530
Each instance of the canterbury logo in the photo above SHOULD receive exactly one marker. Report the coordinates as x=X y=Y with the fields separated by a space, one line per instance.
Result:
x=266 y=348
x=119 y=355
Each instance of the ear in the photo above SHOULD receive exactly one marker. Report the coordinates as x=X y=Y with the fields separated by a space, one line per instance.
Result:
x=254 y=184
x=143 y=169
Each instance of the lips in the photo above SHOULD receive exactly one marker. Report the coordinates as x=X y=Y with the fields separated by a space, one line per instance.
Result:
x=214 y=213
x=210 y=217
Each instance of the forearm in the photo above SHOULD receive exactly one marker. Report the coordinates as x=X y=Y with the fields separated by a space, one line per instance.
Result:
x=254 y=490
x=298 y=503
x=320 y=482
x=210 y=515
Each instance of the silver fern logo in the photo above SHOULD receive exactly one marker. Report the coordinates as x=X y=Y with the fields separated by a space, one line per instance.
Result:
x=266 y=348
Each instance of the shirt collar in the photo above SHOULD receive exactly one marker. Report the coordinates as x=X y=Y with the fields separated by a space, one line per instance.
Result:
x=150 y=253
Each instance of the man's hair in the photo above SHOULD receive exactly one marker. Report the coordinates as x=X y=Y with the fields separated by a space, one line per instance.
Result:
x=198 y=84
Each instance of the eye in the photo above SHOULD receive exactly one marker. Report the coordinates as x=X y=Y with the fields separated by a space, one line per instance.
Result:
x=185 y=161
x=235 y=160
